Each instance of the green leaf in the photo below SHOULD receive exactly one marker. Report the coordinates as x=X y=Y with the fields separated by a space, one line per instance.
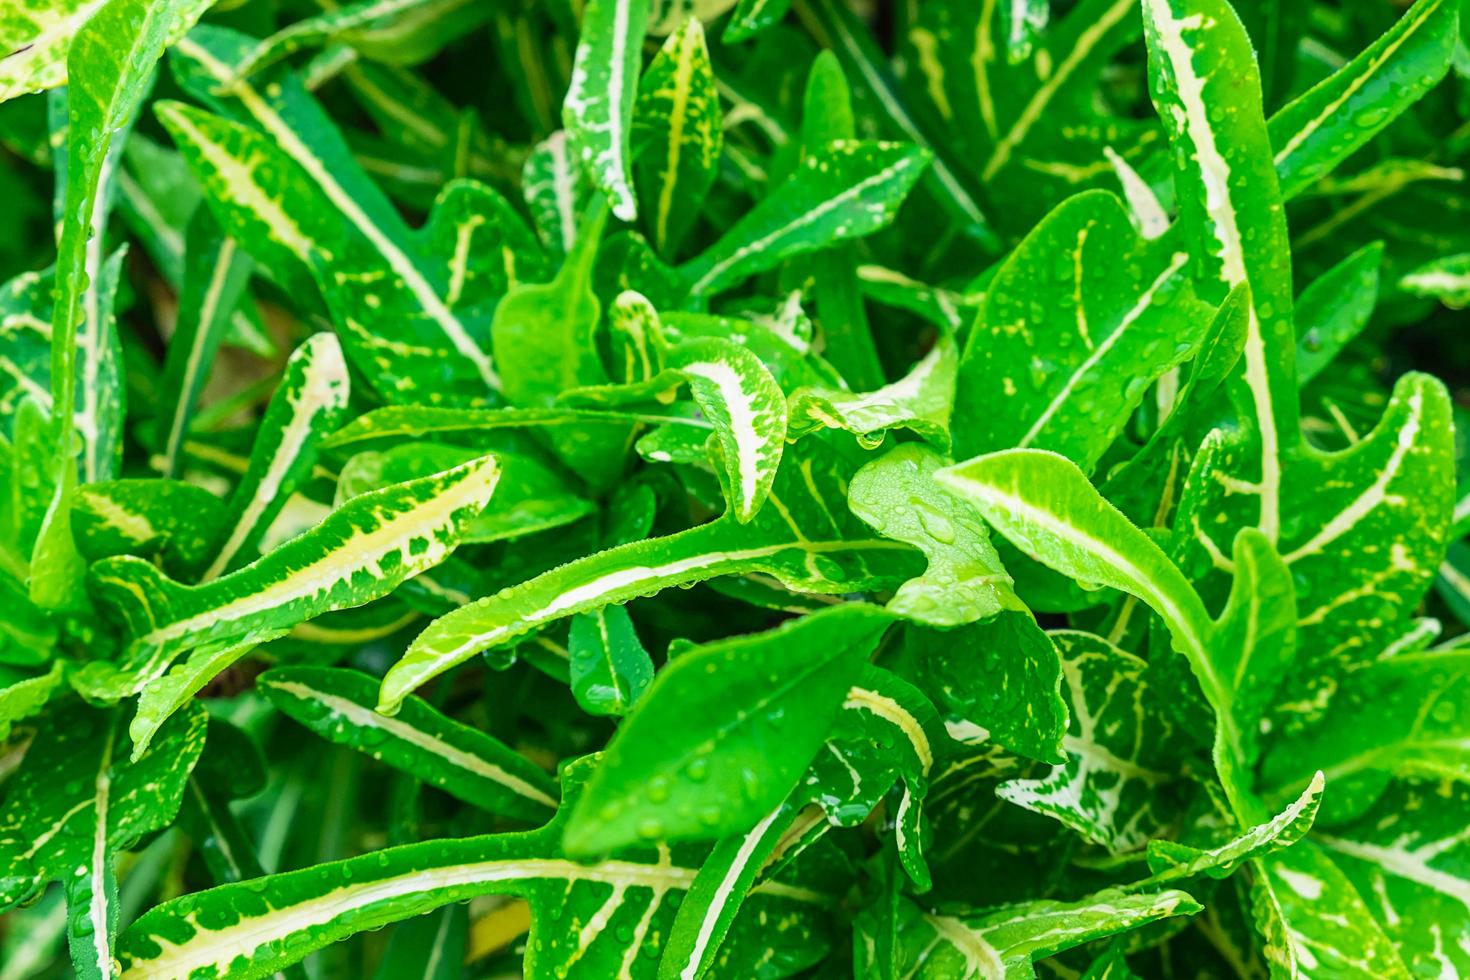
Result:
x=965 y=582
x=1408 y=853
x=1446 y=279
x=253 y=929
x=542 y=335
x=397 y=31
x=23 y=698
x=77 y=799
x=462 y=761
x=677 y=136
x=1418 y=730
x=1323 y=127
x=1005 y=941
x=169 y=693
x=1062 y=365
x=803 y=539
x=724 y=733
x=214 y=278
x=308 y=404
x=1120 y=748
x=610 y=670
x=1314 y=921
x=598 y=110
x=1335 y=308
x=1171 y=861
x=362 y=551
x=751 y=17
x=920 y=401
x=847 y=189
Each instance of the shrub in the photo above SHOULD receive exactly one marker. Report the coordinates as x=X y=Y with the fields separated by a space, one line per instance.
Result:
x=1018 y=394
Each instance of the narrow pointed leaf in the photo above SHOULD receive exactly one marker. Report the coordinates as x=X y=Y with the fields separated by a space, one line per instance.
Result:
x=598 y=111
x=462 y=761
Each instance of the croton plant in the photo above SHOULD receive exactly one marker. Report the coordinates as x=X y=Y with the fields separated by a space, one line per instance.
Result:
x=1019 y=394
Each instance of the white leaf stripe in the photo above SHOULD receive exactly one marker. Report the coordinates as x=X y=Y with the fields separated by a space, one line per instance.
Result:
x=826 y=207
x=216 y=949
x=1098 y=353
x=862 y=699
x=396 y=535
x=1036 y=107
x=97 y=911
x=1331 y=109
x=323 y=392
x=422 y=662
x=399 y=261
x=1215 y=174
x=453 y=755
x=723 y=893
x=1376 y=494
x=194 y=364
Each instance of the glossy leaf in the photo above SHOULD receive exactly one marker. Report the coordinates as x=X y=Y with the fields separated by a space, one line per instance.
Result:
x=699 y=759
x=338 y=705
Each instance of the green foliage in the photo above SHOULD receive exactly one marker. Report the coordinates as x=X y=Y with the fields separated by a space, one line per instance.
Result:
x=676 y=489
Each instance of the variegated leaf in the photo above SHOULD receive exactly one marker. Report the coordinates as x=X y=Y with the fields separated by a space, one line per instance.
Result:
x=598 y=111
x=556 y=192
x=1446 y=279
x=171 y=692
x=1029 y=128
x=360 y=552
x=1171 y=861
x=1063 y=366
x=920 y=401
x=1231 y=210
x=677 y=136
x=845 y=190
x=1314 y=922
x=591 y=920
x=1120 y=745
x=291 y=193
x=1323 y=127
x=803 y=537
x=78 y=800
x=610 y=669
x=309 y=403
x=1407 y=858
x=741 y=401
x=38 y=39
x=462 y=761
x=1419 y=728
x=1005 y=941
x=214 y=278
